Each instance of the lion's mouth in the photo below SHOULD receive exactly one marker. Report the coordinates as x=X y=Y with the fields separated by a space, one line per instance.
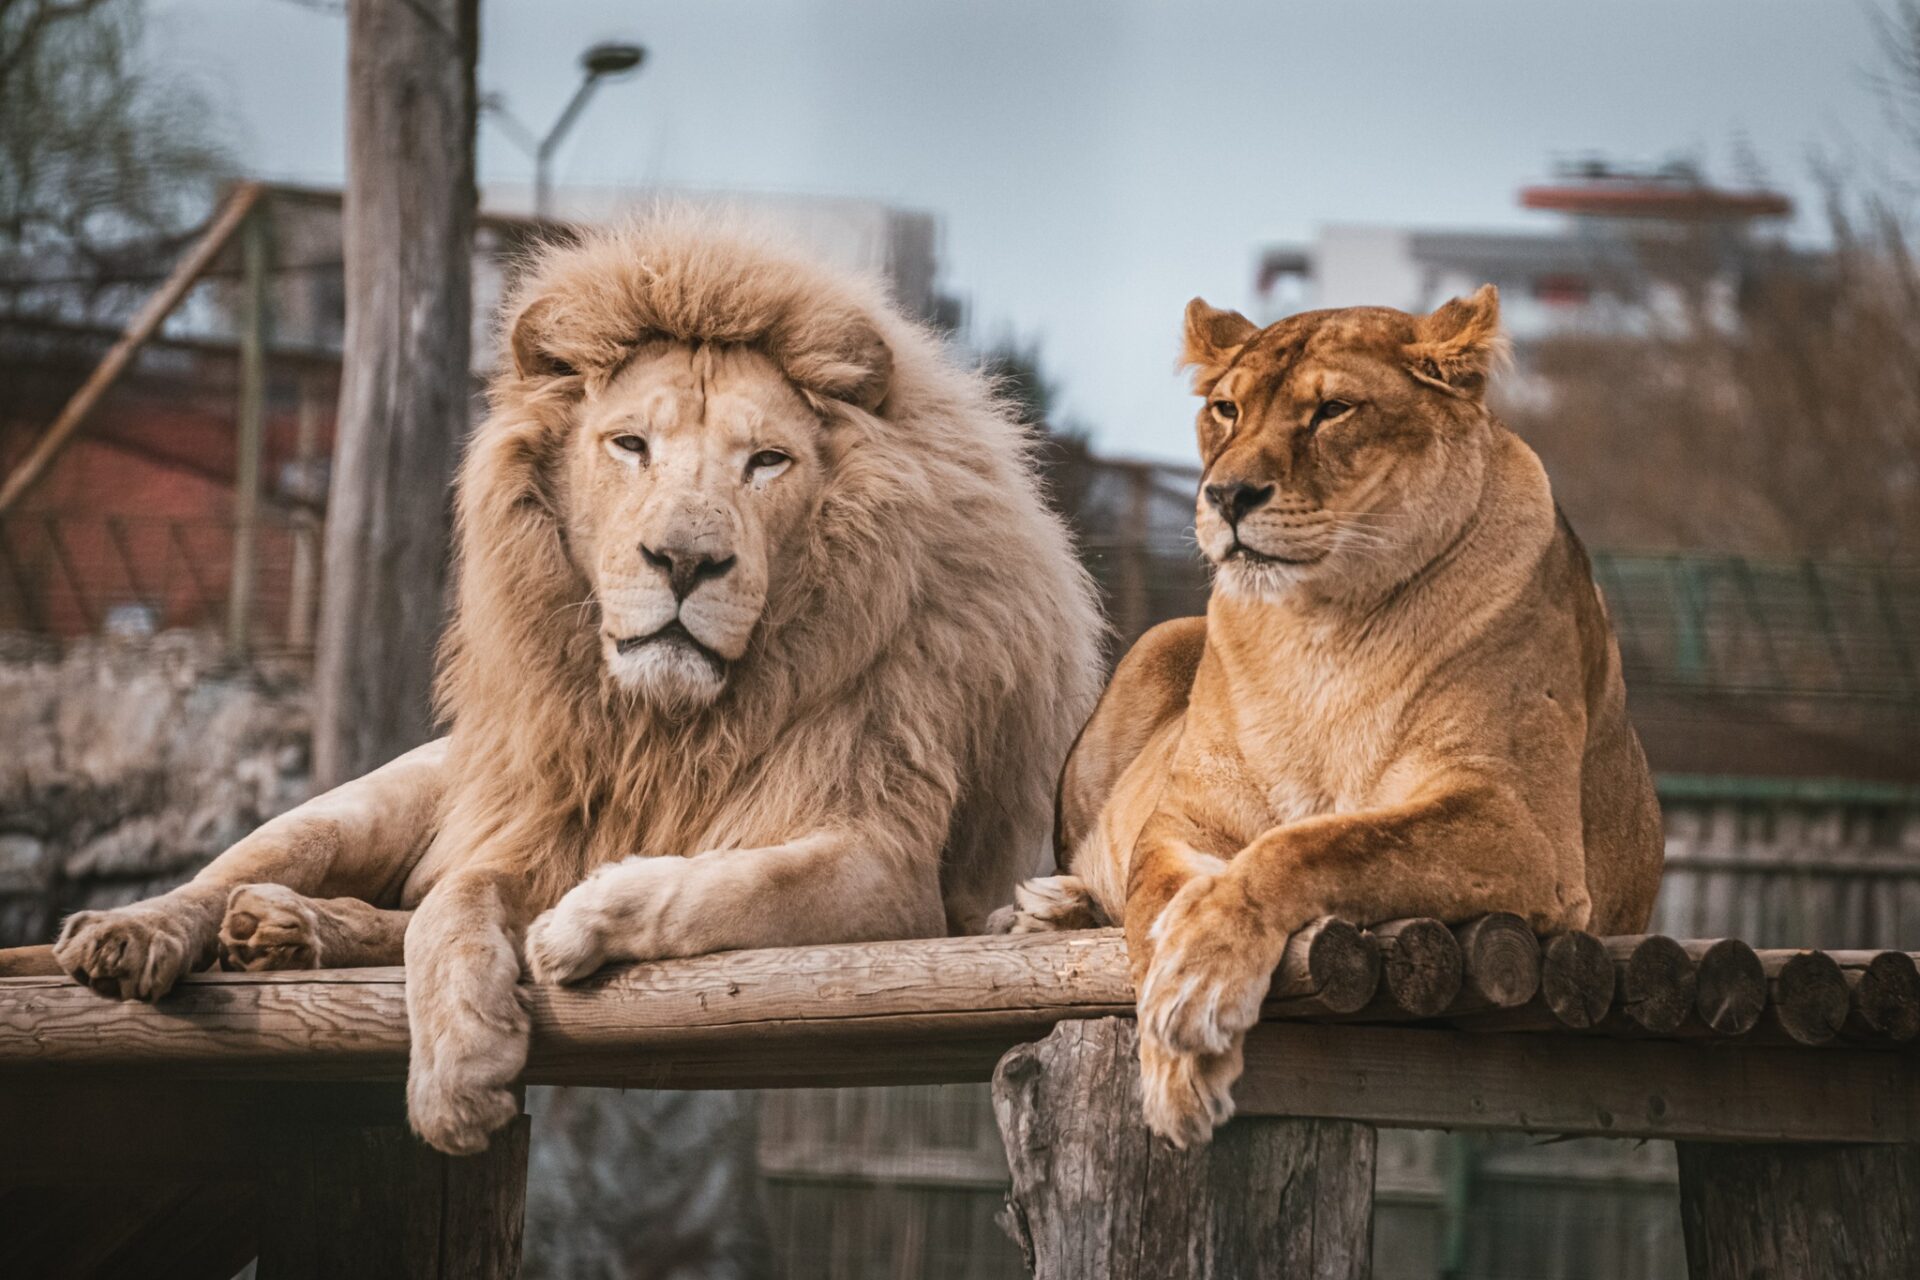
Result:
x=674 y=635
x=1241 y=551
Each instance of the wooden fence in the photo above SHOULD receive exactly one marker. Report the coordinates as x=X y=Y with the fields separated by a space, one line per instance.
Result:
x=241 y=1092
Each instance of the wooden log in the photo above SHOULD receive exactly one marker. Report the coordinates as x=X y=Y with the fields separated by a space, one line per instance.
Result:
x=1329 y=967
x=1500 y=960
x=1731 y=986
x=1422 y=966
x=1576 y=979
x=1808 y=994
x=1766 y=1211
x=1885 y=987
x=1656 y=980
x=1267 y=1198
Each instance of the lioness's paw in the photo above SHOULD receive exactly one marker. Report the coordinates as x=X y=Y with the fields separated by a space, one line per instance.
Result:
x=1186 y=1096
x=132 y=953
x=269 y=926
x=457 y=1112
x=567 y=943
x=1213 y=957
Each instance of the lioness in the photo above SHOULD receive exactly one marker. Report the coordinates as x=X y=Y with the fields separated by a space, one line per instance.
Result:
x=1404 y=699
x=760 y=613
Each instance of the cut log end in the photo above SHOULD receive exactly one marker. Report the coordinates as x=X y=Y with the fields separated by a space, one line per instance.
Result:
x=1810 y=997
x=1657 y=983
x=1332 y=964
x=1886 y=997
x=1576 y=979
x=1422 y=966
x=1731 y=987
x=1500 y=960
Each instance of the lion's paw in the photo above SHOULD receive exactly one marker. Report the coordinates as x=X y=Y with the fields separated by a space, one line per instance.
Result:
x=269 y=926
x=1186 y=1096
x=566 y=943
x=1213 y=957
x=136 y=952
x=457 y=1111
x=1048 y=904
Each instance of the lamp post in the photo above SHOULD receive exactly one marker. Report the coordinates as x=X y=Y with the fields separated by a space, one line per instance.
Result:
x=604 y=61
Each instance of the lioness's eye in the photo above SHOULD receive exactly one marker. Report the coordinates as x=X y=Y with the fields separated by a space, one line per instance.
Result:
x=630 y=444
x=766 y=460
x=1329 y=410
x=1226 y=410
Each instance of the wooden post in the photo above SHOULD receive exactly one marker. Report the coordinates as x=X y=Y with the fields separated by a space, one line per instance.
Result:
x=306 y=525
x=405 y=382
x=1813 y=1212
x=1095 y=1194
x=250 y=426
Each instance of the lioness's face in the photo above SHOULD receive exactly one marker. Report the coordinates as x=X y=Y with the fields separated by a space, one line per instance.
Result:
x=684 y=479
x=1341 y=447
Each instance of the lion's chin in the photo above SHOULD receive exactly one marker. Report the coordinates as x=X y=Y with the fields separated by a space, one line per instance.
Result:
x=670 y=677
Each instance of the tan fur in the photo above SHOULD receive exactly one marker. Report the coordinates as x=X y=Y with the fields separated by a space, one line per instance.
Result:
x=901 y=648
x=1404 y=700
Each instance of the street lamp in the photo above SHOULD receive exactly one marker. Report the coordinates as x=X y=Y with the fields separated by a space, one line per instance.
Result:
x=607 y=60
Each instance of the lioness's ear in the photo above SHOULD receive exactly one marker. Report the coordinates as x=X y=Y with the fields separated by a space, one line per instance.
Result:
x=1458 y=345
x=533 y=355
x=842 y=357
x=1214 y=337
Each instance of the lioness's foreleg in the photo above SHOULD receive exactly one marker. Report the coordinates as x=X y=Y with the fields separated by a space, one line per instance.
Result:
x=357 y=840
x=832 y=886
x=1462 y=849
x=269 y=926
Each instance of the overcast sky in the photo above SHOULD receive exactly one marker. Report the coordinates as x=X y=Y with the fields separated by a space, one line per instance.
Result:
x=1096 y=164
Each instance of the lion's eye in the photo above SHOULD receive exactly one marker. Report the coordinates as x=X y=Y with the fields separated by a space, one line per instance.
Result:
x=1329 y=410
x=767 y=460
x=632 y=444
x=1226 y=410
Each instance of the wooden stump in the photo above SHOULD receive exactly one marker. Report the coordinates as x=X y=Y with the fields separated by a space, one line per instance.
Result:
x=1811 y=1212
x=1095 y=1194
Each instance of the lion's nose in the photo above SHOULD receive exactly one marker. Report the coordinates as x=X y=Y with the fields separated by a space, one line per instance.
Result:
x=686 y=570
x=1234 y=499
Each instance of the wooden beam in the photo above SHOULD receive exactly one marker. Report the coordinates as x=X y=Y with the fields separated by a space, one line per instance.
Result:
x=944 y=1010
x=142 y=327
x=249 y=428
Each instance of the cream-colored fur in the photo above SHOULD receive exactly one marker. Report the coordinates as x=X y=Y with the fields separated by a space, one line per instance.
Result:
x=869 y=673
x=1404 y=700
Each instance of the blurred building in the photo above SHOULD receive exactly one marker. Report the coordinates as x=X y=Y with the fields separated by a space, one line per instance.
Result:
x=1627 y=241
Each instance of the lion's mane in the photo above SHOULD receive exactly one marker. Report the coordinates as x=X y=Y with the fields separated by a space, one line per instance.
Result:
x=930 y=650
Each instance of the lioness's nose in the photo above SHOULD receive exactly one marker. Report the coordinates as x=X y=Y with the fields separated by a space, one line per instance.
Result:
x=686 y=570
x=1235 y=498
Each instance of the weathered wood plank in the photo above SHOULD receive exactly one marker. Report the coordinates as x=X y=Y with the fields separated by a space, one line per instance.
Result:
x=1095 y=1194
x=945 y=1010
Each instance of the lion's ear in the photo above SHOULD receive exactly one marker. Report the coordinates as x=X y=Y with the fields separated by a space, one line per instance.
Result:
x=1457 y=346
x=532 y=342
x=842 y=357
x=1213 y=338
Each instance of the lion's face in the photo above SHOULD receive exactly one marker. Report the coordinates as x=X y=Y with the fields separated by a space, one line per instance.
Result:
x=684 y=479
x=1343 y=449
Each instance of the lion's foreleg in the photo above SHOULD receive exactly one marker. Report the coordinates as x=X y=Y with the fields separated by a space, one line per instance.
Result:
x=469 y=1030
x=825 y=888
x=358 y=839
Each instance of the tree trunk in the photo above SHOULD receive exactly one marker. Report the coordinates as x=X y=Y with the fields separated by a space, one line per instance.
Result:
x=1767 y=1212
x=1095 y=1194
x=405 y=386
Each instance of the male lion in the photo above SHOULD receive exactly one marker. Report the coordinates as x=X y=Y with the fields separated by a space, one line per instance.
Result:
x=760 y=613
x=1404 y=699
